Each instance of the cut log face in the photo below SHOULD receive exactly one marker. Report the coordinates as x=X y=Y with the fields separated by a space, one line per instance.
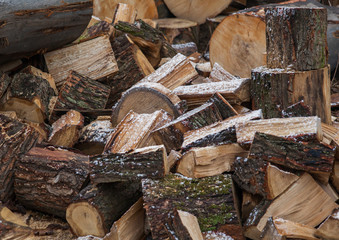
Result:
x=299 y=128
x=330 y=227
x=238 y=44
x=87 y=58
x=146 y=98
x=162 y=196
x=296 y=48
x=196 y=10
x=209 y=161
x=47 y=179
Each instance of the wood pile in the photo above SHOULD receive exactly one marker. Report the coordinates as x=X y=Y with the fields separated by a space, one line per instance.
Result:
x=147 y=126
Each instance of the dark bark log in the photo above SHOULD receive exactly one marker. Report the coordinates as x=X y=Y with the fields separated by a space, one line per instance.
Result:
x=5 y=81
x=148 y=162
x=299 y=109
x=16 y=139
x=82 y=93
x=225 y=109
x=96 y=207
x=303 y=45
x=47 y=179
x=95 y=29
x=48 y=25
x=161 y=197
x=171 y=137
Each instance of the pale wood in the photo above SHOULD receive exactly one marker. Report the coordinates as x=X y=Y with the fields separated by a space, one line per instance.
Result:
x=186 y=226
x=219 y=74
x=95 y=28
x=172 y=159
x=125 y=12
x=330 y=133
x=94 y=59
x=42 y=128
x=209 y=161
x=196 y=10
x=329 y=190
x=130 y=226
x=330 y=227
x=10 y=114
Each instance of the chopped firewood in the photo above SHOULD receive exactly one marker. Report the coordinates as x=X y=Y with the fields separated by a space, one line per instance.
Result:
x=130 y=226
x=260 y=177
x=218 y=133
x=5 y=81
x=273 y=90
x=179 y=30
x=219 y=74
x=148 y=162
x=66 y=130
x=174 y=73
x=299 y=109
x=312 y=157
x=82 y=93
x=249 y=202
x=96 y=207
x=93 y=137
x=172 y=159
x=334 y=178
x=295 y=204
x=146 y=98
x=16 y=138
x=225 y=108
x=47 y=179
x=330 y=227
x=125 y=13
x=95 y=28
x=204 y=69
x=134 y=131
x=296 y=49
x=94 y=59
x=330 y=133
x=210 y=199
x=43 y=129
x=283 y=229
x=298 y=128
x=10 y=114
x=235 y=91
x=186 y=49
x=133 y=66
x=330 y=191
x=9 y=231
x=240 y=109
x=196 y=10
x=210 y=161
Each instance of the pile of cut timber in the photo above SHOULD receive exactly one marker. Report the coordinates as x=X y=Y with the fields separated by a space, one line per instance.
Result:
x=130 y=132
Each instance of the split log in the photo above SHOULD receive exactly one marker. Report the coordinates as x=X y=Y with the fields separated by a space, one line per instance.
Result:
x=134 y=131
x=225 y=108
x=299 y=109
x=209 y=161
x=82 y=93
x=48 y=26
x=197 y=10
x=218 y=133
x=330 y=227
x=47 y=179
x=5 y=81
x=284 y=229
x=66 y=130
x=148 y=162
x=42 y=129
x=9 y=230
x=172 y=159
x=219 y=74
x=204 y=69
x=95 y=28
x=162 y=196
x=179 y=30
x=16 y=139
x=130 y=226
x=273 y=90
x=94 y=59
x=260 y=177
x=174 y=73
x=125 y=13
x=186 y=49
x=146 y=98
x=295 y=204
x=334 y=178
x=96 y=207
x=236 y=91
x=296 y=49
x=294 y=129
x=133 y=66
x=312 y=157
x=249 y=202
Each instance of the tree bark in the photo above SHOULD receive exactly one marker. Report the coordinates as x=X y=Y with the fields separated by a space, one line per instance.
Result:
x=5 y=81
x=224 y=107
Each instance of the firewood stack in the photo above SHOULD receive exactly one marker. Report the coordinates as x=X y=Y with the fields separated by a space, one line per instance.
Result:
x=128 y=132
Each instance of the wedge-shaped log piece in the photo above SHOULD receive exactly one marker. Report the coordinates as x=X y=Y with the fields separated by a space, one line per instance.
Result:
x=134 y=131
x=130 y=226
x=218 y=133
x=295 y=204
x=299 y=109
x=330 y=134
x=148 y=162
x=210 y=161
x=96 y=207
x=125 y=13
x=146 y=98
x=235 y=91
x=219 y=74
x=210 y=199
x=284 y=229
x=5 y=81
x=225 y=108
x=174 y=73
x=298 y=129
x=330 y=227
x=95 y=28
x=16 y=138
x=94 y=59
x=47 y=179
x=260 y=177
x=82 y=93
x=312 y=157
x=66 y=130
x=11 y=227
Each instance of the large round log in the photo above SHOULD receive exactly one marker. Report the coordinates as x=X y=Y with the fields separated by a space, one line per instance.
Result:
x=28 y=27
